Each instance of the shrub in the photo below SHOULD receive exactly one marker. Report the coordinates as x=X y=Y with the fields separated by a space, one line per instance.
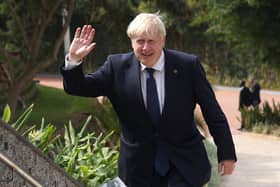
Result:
x=86 y=156
x=260 y=119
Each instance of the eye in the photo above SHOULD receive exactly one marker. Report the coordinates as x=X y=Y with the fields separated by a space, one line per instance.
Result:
x=151 y=41
x=140 y=41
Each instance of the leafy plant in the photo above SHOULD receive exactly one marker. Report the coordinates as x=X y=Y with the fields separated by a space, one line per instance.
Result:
x=19 y=123
x=86 y=157
x=6 y=116
x=44 y=138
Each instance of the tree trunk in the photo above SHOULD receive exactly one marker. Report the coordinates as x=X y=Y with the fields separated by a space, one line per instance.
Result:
x=16 y=92
x=12 y=99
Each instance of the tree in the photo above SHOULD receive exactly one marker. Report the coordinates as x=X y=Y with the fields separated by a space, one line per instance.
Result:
x=251 y=25
x=31 y=36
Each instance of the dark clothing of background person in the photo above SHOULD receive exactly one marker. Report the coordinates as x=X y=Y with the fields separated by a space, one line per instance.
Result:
x=245 y=96
x=245 y=101
x=255 y=90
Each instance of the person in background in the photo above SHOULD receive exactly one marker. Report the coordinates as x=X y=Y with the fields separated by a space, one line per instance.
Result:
x=245 y=100
x=255 y=92
x=154 y=91
x=245 y=96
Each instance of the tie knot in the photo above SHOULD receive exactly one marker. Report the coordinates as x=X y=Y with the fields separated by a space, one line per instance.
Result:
x=150 y=71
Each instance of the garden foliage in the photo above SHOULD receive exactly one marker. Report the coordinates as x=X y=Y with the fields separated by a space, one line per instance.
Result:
x=85 y=156
x=263 y=119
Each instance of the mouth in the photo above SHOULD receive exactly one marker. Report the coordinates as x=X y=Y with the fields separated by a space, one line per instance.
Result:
x=146 y=54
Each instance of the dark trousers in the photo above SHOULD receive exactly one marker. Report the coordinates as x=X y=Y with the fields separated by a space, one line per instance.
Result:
x=172 y=179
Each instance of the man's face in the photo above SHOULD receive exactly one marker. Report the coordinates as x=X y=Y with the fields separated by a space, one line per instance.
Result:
x=147 y=49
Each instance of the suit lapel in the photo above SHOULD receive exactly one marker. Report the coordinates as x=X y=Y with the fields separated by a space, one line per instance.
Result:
x=134 y=83
x=172 y=71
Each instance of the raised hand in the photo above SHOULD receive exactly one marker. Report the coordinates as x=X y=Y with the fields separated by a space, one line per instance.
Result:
x=82 y=43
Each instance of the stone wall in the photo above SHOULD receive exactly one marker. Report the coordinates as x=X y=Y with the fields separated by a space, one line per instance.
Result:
x=24 y=155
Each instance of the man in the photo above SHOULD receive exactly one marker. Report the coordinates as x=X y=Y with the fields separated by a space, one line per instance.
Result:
x=154 y=92
x=245 y=100
x=255 y=92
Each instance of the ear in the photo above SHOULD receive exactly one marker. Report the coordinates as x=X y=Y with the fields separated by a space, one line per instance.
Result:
x=132 y=43
x=163 y=41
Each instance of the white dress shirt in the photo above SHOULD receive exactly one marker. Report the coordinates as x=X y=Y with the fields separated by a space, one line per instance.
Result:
x=70 y=64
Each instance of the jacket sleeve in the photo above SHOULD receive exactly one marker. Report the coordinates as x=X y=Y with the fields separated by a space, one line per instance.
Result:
x=98 y=83
x=213 y=115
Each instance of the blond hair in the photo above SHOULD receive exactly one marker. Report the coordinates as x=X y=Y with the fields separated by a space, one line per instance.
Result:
x=147 y=23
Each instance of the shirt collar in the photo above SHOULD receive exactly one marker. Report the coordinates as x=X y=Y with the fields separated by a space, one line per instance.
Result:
x=158 y=66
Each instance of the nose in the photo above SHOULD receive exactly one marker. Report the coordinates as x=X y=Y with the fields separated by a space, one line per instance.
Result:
x=146 y=46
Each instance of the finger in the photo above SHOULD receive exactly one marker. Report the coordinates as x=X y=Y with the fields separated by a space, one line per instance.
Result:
x=87 y=33
x=87 y=50
x=225 y=171
x=90 y=47
x=90 y=36
x=228 y=169
x=84 y=30
x=220 y=168
x=77 y=33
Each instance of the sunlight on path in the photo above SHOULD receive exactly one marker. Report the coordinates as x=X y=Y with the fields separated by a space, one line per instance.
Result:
x=50 y=80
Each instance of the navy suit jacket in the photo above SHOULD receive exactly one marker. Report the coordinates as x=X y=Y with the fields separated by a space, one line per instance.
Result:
x=185 y=86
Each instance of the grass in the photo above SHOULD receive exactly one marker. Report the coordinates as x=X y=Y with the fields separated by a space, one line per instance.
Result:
x=57 y=107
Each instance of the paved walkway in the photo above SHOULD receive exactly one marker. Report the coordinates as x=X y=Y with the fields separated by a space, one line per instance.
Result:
x=258 y=156
x=258 y=162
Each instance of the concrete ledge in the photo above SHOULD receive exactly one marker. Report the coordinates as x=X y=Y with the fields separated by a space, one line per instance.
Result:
x=29 y=159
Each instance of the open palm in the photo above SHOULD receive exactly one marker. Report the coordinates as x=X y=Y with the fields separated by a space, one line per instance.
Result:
x=82 y=43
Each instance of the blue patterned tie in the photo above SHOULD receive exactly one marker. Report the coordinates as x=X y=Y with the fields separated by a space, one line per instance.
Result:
x=161 y=161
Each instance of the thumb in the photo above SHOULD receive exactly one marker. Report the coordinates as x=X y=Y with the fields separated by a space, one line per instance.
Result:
x=220 y=168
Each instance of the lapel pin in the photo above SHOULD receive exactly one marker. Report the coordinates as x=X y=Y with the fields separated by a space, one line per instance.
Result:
x=175 y=71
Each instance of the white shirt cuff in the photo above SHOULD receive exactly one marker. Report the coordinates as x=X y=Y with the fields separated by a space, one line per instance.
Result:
x=71 y=64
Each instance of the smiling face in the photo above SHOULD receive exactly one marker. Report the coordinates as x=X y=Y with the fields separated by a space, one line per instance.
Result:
x=147 y=34
x=147 y=48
